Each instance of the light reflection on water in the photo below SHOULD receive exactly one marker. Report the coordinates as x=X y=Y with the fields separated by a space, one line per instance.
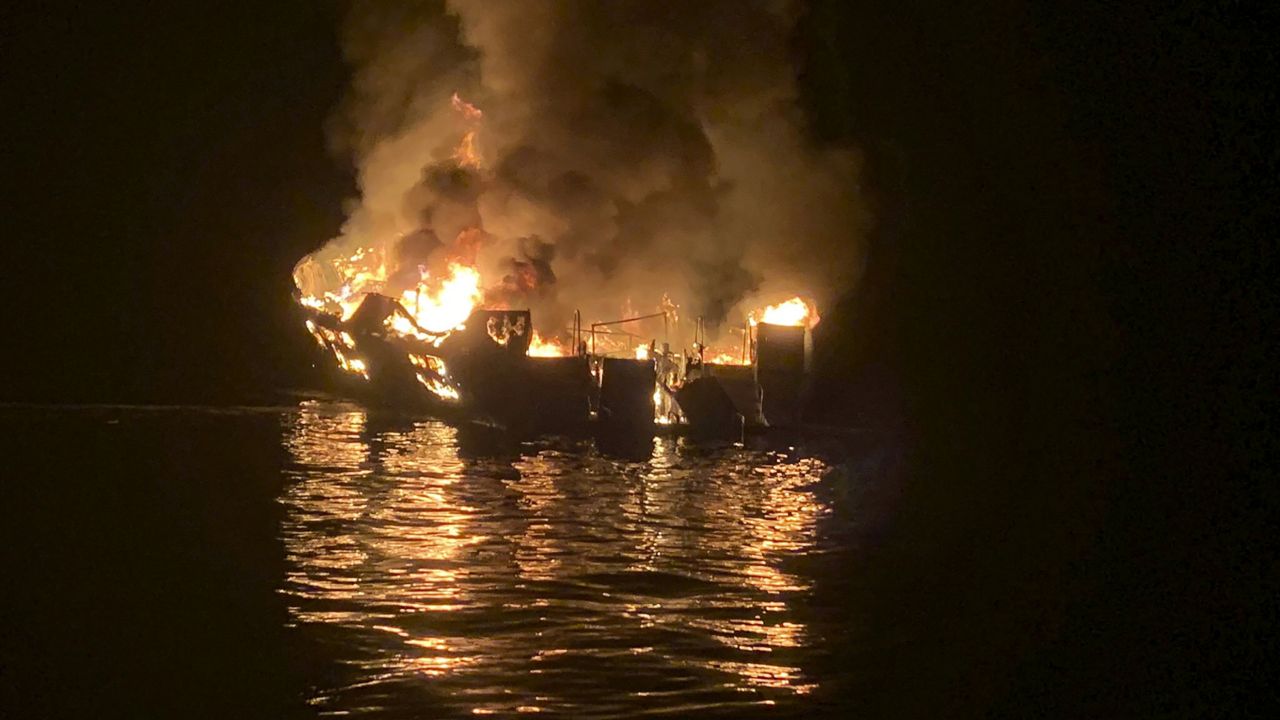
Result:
x=559 y=579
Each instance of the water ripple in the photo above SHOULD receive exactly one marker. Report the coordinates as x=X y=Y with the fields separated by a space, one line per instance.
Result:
x=559 y=580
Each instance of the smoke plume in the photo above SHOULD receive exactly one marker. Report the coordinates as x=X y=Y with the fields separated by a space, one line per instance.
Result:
x=595 y=155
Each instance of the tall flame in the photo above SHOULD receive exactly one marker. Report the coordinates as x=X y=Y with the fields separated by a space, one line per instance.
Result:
x=465 y=154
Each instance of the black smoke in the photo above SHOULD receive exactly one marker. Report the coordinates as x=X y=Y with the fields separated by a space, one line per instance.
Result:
x=651 y=148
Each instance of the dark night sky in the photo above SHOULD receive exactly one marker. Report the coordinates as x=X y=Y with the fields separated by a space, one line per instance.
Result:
x=167 y=167
x=1068 y=277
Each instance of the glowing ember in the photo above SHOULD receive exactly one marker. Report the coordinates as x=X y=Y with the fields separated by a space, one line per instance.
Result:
x=642 y=352
x=795 y=311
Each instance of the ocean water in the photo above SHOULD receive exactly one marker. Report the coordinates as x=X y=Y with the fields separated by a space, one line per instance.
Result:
x=317 y=558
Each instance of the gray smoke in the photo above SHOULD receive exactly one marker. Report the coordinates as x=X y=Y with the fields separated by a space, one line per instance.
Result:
x=629 y=149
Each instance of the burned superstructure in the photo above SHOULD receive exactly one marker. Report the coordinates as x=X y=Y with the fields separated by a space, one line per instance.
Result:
x=494 y=370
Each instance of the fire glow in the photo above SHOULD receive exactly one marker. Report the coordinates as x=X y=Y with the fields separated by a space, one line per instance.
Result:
x=724 y=358
x=449 y=304
x=540 y=347
x=437 y=304
x=795 y=312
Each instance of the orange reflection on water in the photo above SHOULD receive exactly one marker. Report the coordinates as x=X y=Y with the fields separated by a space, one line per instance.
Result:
x=746 y=526
x=560 y=579
x=373 y=532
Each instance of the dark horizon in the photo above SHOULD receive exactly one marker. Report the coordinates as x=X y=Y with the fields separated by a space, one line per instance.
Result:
x=1062 y=317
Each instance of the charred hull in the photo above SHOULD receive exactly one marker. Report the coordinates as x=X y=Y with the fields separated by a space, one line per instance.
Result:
x=781 y=372
x=480 y=372
x=380 y=369
x=724 y=400
x=559 y=389
x=627 y=390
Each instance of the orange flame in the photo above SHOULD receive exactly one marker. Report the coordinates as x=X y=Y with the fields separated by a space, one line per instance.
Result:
x=796 y=312
x=469 y=112
x=540 y=347
x=449 y=304
x=440 y=303
x=465 y=154
x=724 y=358
x=433 y=376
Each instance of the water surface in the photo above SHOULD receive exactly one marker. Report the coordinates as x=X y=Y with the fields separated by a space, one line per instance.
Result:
x=317 y=558
x=559 y=578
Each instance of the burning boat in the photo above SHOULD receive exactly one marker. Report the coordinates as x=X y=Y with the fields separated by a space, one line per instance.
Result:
x=493 y=368
x=763 y=388
x=431 y=310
